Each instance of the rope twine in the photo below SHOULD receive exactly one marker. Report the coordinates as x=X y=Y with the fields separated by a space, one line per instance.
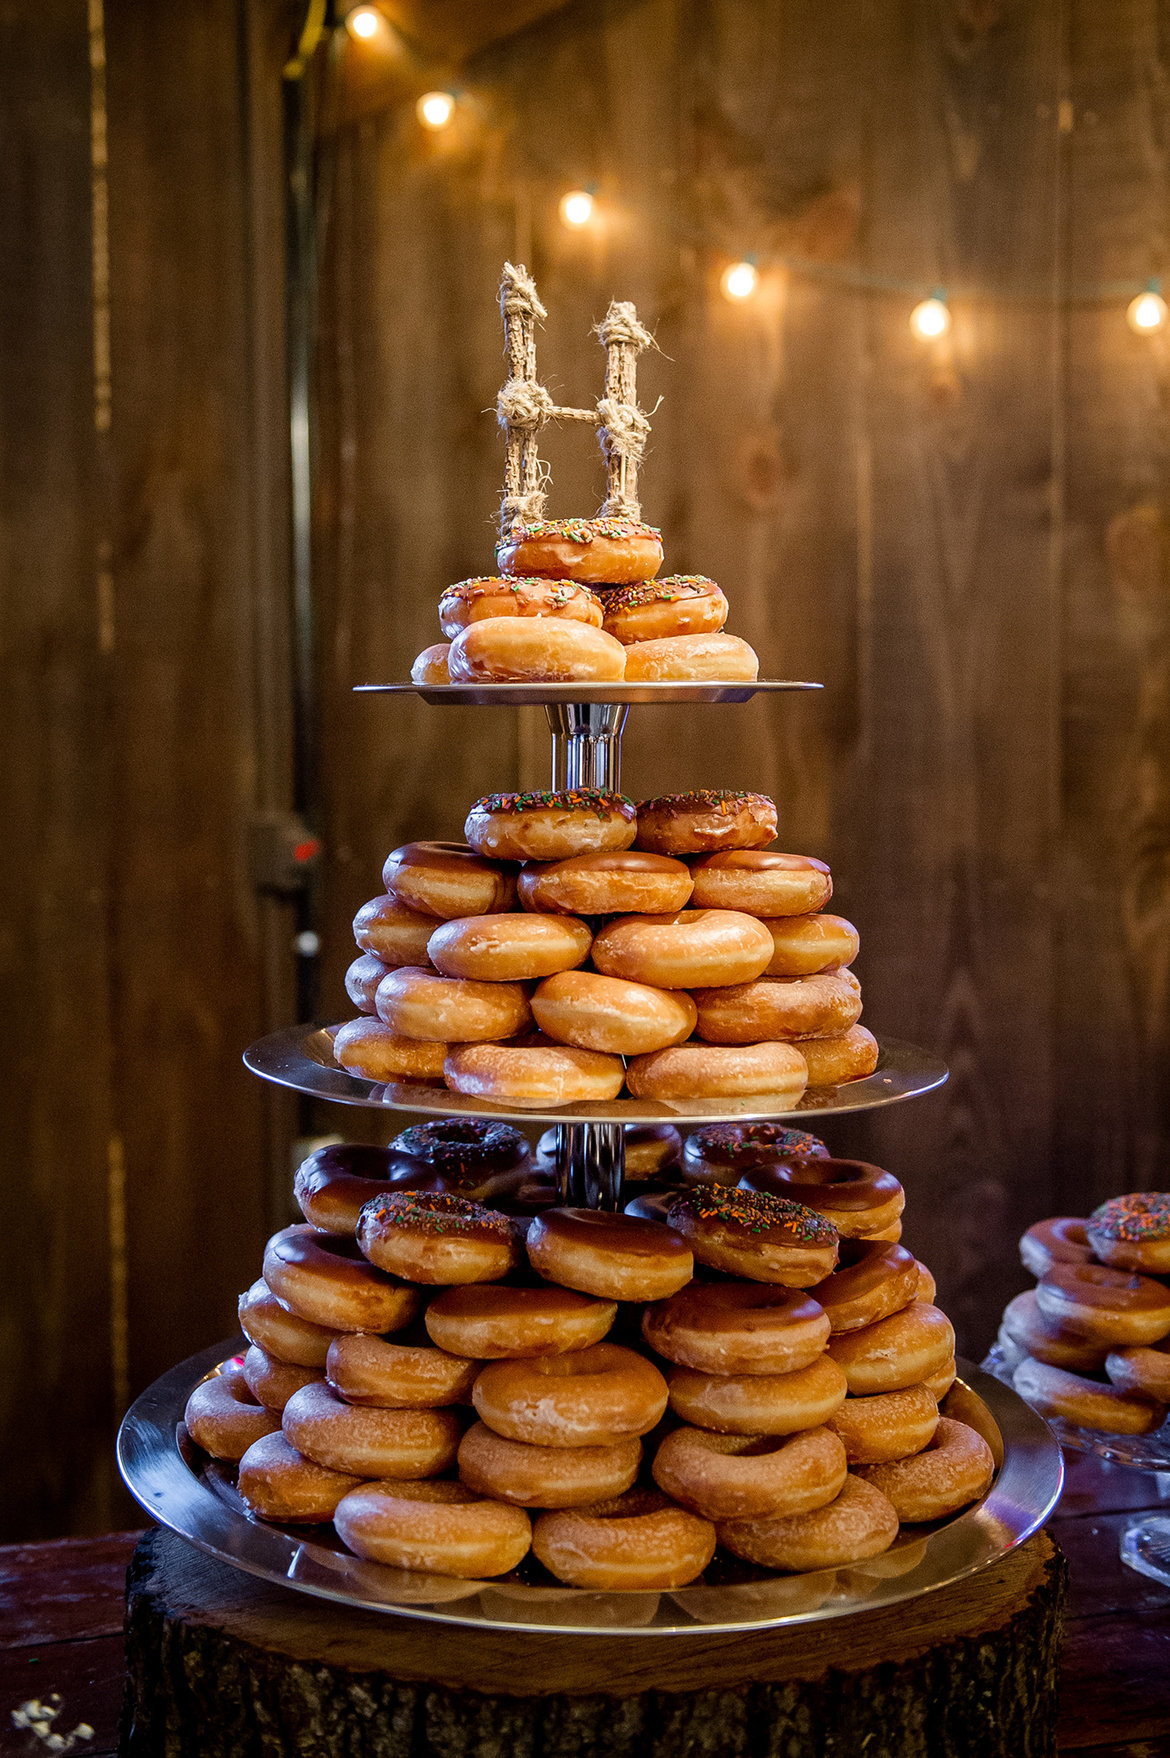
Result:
x=524 y=406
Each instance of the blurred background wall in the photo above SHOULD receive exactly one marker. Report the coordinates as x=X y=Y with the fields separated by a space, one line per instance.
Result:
x=965 y=540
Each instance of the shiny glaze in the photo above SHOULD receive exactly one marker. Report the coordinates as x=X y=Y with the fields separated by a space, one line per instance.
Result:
x=1062 y=1240
x=622 y=1235
x=335 y=1182
x=826 y=1184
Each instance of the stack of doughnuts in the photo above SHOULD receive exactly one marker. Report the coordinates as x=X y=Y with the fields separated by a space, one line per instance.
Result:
x=577 y=944
x=578 y=600
x=1091 y=1342
x=455 y=1379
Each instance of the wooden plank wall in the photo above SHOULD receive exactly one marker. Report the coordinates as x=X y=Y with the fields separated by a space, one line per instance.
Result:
x=966 y=542
x=143 y=582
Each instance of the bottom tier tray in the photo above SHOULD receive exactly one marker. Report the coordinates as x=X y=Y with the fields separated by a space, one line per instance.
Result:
x=185 y=1490
x=301 y=1057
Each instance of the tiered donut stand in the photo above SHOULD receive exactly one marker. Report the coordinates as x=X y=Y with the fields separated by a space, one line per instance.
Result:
x=947 y=1642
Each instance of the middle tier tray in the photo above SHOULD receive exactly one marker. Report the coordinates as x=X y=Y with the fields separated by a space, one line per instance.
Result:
x=301 y=1057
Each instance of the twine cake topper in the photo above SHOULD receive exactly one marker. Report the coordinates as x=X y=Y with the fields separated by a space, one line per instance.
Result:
x=524 y=406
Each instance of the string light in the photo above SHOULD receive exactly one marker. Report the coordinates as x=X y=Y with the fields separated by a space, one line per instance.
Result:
x=435 y=109
x=1148 y=312
x=576 y=208
x=364 y=21
x=739 y=280
x=931 y=318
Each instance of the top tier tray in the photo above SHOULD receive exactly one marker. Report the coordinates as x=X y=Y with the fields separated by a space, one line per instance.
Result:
x=538 y=695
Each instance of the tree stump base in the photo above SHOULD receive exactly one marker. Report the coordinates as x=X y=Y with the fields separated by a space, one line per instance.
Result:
x=222 y=1665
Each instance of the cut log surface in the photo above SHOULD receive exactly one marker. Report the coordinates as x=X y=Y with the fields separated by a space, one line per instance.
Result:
x=225 y=1666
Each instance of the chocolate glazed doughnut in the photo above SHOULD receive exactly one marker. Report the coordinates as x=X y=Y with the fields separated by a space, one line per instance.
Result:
x=861 y=1200
x=332 y=1186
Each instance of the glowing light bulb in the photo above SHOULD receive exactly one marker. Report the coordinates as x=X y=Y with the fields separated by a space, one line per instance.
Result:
x=739 y=281
x=1147 y=313
x=435 y=109
x=364 y=22
x=931 y=318
x=576 y=207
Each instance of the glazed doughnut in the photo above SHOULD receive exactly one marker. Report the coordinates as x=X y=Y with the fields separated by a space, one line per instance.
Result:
x=719 y=1153
x=430 y=666
x=603 y=551
x=1110 y=1306
x=777 y=1009
x=873 y=1279
x=1133 y=1232
x=687 y=949
x=588 y=1398
x=737 y=1328
x=805 y=945
x=860 y=1523
x=747 y=1233
x=715 y=658
x=656 y=610
x=265 y=1321
x=927 y=1288
x=471 y=601
x=393 y=932
x=1062 y=1240
x=652 y=1150
x=615 y=1257
x=391 y=1374
x=859 y=1199
x=903 y=1350
x=553 y=825
x=635 y=1541
x=758 y=1403
x=938 y=1384
x=955 y=1467
x=623 y=882
x=417 y=1003
x=710 y=819
x=278 y=1483
x=494 y=1322
x=720 y=1071
x=272 y=1382
x=730 y=1476
x=763 y=882
x=437 y=1238
x=438 y=1528
x=505 y=949
x=886 y=1425
x=371 y=1049
x=224 y=1419
x=362 y=978
x=369 y=1441
x=1048 y=1340
x=833 y=1061
x=503 y=650
x=328 y=1281
x=535 y=1072
x=1089 y=1403
x=445 y=879
x=1142 y=1370
x=545 y=1477
x=335 y=1183
x=610 y=1014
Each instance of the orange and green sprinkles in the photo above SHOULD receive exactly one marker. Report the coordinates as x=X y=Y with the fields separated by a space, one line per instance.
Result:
x=705 y=799
x=728 y=1144
x=437 y=1212
x=574 y=799
x=670 y=587
x=1143 y=1216
x=578 y=531
x=753 y=1211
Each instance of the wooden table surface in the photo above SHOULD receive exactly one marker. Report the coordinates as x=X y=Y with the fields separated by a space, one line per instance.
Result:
x=61 y=1631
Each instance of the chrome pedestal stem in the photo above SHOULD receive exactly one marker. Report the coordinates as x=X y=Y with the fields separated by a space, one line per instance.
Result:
x=587 y=743
x=590 y=1162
